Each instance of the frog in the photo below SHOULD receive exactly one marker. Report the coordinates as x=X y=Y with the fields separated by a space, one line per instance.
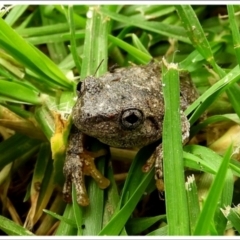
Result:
x=123 y=108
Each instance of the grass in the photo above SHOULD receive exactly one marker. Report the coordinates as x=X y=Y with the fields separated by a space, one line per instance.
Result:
x=45 y=50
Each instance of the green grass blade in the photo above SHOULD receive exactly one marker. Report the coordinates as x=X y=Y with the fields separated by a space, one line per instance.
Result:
x=142 y=57
x=95 y=42
x=235 y=31
x=50 y=29
x=225 y=200
x=138 y=44
x=204 y=161
x=232 y=215
x=15 y=13
x=157 y=27
x=193 y=202
x=234 y=96
x=61 y=218
x=73 y=40
x=134 y=188
x=38 y=62
x=79 y=20
x=214 y=119
x=117 y=223
x=138 y=225
x=209 y=207
x=112 y=198
x=197 y=36
x=19 y=93
x=36 y=184
x=13 y=229
x=66 y=228
x=212 y=93
x=57 y=51
x=174 y=184
x=199 y=40
x=163 y=231
x=23 y=146
x=78 y=212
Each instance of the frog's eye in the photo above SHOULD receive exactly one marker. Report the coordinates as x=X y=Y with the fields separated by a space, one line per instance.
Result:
x=80 y=88
x=131 y=118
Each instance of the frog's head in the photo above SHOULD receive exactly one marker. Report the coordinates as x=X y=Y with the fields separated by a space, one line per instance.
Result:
x=123 y=108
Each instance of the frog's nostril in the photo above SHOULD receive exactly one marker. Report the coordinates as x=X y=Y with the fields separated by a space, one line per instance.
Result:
x=131 y=118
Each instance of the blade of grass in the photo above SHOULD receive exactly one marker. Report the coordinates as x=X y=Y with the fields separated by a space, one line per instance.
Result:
x=163 y=231
x=200 y=42
x=193 y=202
x=24 y=125
x=57 y=51
x=233 y=215
x=176 y=200
x=235 y=91
x=23 y=145
x=201 y=159
x=67 y=228
x=95 y=42
x=13 y=229
x=61 y=218
x=214 y=119
x=118 y=221
x=134 y=187
x=73 y=41
x=78 y=19
x=15 y=13
x=225 y=200
x=78 y=212
x=142 y=57
x=138 y=225
x=197 y=36
x=157 y=27
x=209 y=207
x=36 y=60
x=203 y=102
x=50 y=29
x=235 y=31
x=47 y=227
x=38 y=175
x=45 y=119
x=19 y=93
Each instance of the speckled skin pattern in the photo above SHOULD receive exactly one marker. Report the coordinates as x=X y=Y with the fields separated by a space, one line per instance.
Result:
x=123 y=108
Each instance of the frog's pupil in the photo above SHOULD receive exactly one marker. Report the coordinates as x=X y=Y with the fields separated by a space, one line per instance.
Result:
x=132 y=118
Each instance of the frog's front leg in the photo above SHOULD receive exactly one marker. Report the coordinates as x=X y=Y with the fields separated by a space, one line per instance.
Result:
x=157 y=156
x=80 y=162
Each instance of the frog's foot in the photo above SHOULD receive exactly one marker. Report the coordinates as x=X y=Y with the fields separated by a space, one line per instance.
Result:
x=91 y=170
x=73 y=171
x=75 y=167
x=159 y=168
x=157 y=159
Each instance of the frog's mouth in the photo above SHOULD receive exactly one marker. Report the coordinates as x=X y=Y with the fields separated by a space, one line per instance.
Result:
x=131 y=118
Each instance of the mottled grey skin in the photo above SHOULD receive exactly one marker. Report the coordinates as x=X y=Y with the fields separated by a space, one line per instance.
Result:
x=123 y=108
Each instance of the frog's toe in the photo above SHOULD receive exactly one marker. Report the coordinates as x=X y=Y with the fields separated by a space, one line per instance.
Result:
x=79 y=183
x=67 y=189
x=73 y=171
x=91 y=170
